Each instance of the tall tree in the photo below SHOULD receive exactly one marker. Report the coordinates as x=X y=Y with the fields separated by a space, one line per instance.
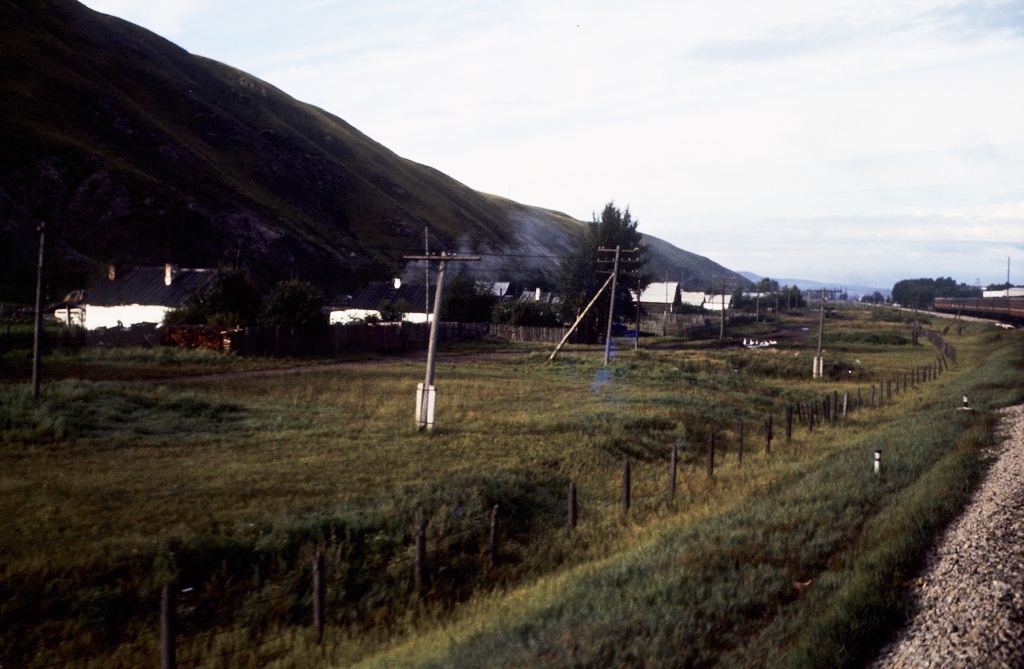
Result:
x=582 y=274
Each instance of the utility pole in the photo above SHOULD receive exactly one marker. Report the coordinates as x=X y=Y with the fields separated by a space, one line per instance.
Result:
x=636 y=340
x=611 y=306
x=724 y=280
x=426 y=271
x=618 y=251
x=426 y=393
x=819 y=362
x=37 y=339
x=579 y=318
x=819 y=368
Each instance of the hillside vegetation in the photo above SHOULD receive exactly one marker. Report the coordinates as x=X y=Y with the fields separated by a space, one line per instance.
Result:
x=138 y=152
x=800 y=556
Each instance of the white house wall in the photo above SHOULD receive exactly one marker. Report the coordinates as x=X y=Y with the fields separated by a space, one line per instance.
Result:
x=123 y=316
x=346 y=316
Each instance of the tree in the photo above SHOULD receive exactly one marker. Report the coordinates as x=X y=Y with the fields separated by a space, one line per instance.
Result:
x=230 y=299
x=464 y=301
x=392 y=312
x=922 y=292
x=581 y=275
x=537 y=314
x=294 y=302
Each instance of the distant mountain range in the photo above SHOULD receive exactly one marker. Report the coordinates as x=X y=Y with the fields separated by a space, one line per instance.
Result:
x=808 y=284
x=136 y=152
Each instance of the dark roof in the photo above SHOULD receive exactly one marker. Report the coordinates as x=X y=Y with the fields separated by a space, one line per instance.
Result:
x=376 y=292
x=145 y=285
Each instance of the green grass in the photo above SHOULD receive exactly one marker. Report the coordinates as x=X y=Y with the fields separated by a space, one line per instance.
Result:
x=109 y=487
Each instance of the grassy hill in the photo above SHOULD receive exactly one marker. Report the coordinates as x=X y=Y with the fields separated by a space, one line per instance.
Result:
x=136 y=151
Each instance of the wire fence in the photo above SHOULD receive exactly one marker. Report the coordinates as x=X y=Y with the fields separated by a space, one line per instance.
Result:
x=206 y=631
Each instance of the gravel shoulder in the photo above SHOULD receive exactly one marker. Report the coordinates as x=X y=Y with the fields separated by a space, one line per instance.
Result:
x=971 y=594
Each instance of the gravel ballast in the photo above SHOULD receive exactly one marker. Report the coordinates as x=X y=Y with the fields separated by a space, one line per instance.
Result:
x=971 y=594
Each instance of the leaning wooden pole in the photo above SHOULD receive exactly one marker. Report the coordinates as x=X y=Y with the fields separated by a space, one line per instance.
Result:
x=574 y=325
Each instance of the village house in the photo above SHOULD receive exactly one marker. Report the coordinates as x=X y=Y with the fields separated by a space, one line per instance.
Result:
x=717 y=302
x=660 y=298
x=538 y=295
x=367 y=304
x=133 y=295
x=694 y=299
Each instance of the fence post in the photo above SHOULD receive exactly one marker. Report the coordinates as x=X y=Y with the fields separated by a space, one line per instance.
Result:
x=492 y=546
x=739 y=455
x=872 y=396
x=810 y=416
x=878 y=462
x=711 y=455
x=572 y=508
x=835 y=406
x=826 y=408
x=846 y=402
x=318 y=595
x=672 y=468
x=768 y=435
x=167 y=609
x=625 y=487
x=789 y=423
x=420 y=560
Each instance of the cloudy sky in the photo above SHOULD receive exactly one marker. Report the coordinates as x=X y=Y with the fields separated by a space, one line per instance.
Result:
x=852 y=141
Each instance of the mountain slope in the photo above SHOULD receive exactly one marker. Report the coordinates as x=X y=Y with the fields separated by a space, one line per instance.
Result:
x=135 y=151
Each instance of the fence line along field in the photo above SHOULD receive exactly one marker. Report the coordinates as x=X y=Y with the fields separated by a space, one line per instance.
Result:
x=725 y=508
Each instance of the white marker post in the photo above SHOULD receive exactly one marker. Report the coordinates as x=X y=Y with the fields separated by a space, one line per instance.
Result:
x=878 y=462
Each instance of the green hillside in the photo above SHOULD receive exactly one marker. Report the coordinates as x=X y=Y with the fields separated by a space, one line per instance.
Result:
x=136 y=151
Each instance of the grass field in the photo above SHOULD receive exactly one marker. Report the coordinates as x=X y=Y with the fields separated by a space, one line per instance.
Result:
x=800 y=557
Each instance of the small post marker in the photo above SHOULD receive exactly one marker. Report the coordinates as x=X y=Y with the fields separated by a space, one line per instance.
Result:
x=878 y=462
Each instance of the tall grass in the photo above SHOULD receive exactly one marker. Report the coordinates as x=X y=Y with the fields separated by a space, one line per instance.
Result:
x=230 y=484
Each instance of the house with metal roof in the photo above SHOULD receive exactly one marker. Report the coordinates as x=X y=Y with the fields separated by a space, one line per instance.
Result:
x=717 y=302
x=660 y=298
x=368 y=303
x=134 y=295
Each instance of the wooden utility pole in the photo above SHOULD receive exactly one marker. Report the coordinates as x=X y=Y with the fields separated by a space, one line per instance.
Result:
x=37 y=339
x=819 y=362
x=636 y=340
x=579 y=318
x=611 y=306
x=426 y=393
x=426 y=271
x=724 y=282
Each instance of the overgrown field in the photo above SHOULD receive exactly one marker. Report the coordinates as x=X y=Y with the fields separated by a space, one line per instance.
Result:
x=226 y=487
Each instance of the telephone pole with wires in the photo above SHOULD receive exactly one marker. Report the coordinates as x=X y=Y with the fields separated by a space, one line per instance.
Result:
x=426 y=392
x=618 y=251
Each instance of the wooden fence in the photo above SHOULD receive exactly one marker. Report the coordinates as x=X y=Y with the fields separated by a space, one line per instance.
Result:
x=526 y=333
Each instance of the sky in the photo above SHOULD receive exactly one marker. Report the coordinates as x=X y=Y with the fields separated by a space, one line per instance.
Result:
x=854 y=142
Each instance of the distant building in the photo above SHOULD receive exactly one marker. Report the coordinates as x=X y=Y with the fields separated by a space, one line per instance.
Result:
x=538 y=295
x=717 y=302
x=133 y=295
x=1013 y=291
x=368 y=303
x=693 y=299
x=660 y=298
